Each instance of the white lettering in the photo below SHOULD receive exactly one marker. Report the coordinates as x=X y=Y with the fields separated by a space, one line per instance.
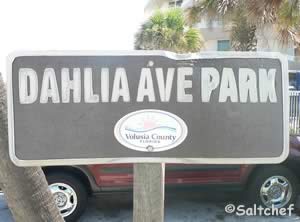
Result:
x=210 y=81
x=247 y=85
x=165 y=87
x=228 y=86
x=67 y=85
x=267 y=85
x=28 y=95
x=89 y=96
x=183 y=84
x=49 y=87
x=145 y=87
x=105 y=85
x=120 y=86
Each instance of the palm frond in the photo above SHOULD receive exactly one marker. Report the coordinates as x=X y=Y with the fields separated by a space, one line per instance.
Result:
x=193 y=14
x=263 y=11
x=194 y=40
x=167 y=30
x=288 y=22
x=211 y=10
x=226 y=6
x=284 y=15
x=243 y=34
x=174 y=19
x=204 y=8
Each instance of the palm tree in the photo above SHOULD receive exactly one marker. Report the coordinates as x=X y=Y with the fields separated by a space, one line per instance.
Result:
x=25 y=188
x=282 y=15
x=243 y=37
x=168 y=31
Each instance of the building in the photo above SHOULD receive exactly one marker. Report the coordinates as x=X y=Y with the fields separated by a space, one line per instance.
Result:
x=217 y=36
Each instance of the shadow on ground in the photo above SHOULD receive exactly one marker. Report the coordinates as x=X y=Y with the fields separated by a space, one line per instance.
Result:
x=179 y=207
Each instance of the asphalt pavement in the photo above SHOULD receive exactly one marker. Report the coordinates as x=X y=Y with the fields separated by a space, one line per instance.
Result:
x=179 y=207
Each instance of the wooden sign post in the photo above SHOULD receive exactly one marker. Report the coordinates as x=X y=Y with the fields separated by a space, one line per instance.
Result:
x=149 y=192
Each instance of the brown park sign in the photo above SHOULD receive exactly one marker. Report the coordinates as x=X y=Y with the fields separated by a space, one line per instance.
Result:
x=147 y=106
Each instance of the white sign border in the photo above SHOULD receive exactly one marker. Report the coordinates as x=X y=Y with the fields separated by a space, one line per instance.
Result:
x=203 y=55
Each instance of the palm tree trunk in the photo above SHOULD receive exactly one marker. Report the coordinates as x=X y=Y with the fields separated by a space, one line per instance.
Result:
x=25 y=189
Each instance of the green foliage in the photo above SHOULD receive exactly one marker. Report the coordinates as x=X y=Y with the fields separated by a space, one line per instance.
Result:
x=167 y=31
x=193 y=40
x=288 y=21
x=284 y=15
x=243 y=36
x=294 y=130
x=211 y=10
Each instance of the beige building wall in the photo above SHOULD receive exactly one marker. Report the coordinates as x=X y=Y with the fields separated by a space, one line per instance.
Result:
x=153 y=5
x=212 y=34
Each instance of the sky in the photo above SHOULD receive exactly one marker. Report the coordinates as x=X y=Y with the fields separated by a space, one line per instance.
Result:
x=68 y=25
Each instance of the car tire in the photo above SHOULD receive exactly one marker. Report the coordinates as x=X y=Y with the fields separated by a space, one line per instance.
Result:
x=273 y=185
x=68 y=189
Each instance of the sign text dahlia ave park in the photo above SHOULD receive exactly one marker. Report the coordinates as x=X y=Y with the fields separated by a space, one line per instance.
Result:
x=77 y=85
x=147 y=106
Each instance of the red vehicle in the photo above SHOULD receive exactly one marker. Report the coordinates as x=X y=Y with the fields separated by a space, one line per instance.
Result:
x=265 y=184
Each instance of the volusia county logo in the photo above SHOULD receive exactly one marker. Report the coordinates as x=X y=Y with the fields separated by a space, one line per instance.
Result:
x=150 y=130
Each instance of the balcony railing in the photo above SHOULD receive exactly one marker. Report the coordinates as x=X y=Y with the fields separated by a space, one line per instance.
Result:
x=294 y=120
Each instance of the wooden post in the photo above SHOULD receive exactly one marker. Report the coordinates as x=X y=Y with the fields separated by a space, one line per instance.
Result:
x=149 y=192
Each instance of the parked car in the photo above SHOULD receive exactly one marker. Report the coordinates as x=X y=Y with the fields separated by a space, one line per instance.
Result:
x=266 y=185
